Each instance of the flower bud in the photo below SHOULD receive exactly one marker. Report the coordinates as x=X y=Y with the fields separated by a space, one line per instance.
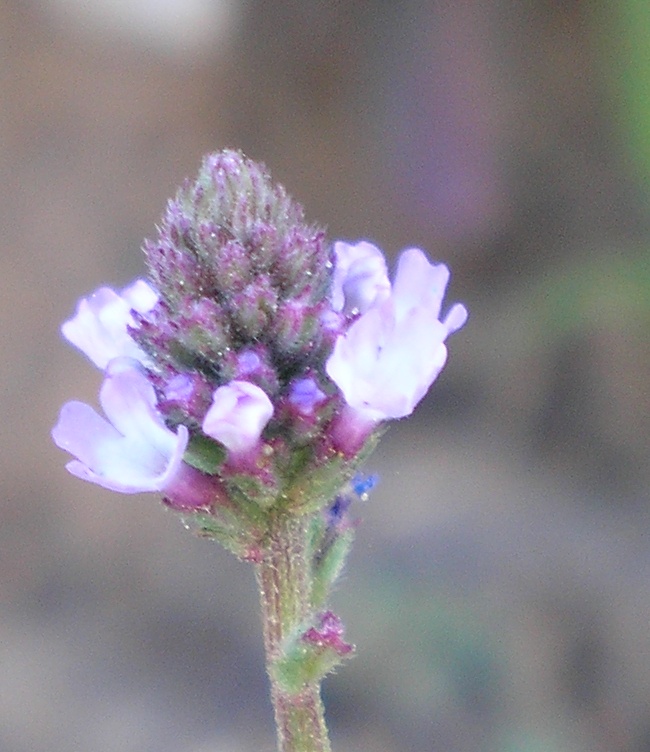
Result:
x=327 y=636
x=313 y=654
x=237 y=416
x=186 y=397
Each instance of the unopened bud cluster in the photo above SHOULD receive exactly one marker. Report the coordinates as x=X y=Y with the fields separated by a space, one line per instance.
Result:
x=242 y=280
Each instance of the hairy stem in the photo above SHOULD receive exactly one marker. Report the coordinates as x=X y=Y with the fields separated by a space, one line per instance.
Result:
x=284 y=580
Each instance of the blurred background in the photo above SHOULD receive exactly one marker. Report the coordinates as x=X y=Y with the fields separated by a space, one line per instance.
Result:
x=499 y=591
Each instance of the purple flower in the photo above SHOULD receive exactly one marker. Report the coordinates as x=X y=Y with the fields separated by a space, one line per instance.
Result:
x=99 y=327
x=389 y=357
x=304 y=408
x=132 y=451
x=186 y=395
x=360 y=277
x=253 y=364
x=238 y=414
x=305 y=396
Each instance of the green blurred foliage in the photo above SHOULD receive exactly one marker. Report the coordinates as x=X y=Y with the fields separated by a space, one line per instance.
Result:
x=609 y=290
x=628 y=60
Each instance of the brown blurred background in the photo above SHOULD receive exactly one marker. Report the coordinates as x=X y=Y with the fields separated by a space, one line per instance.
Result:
x=499 y=591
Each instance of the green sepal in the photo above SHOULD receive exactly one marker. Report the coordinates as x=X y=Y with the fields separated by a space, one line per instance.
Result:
x=328 y=565
x=247 y=489
x=204 y=454
x=229 y=531
x=315 y=533
x=303 y=663
x=316 y=487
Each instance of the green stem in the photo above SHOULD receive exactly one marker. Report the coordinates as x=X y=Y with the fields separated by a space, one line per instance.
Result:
x=284 y=580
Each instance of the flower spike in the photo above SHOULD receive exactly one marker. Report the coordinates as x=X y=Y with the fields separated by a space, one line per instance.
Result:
x=245 y=382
